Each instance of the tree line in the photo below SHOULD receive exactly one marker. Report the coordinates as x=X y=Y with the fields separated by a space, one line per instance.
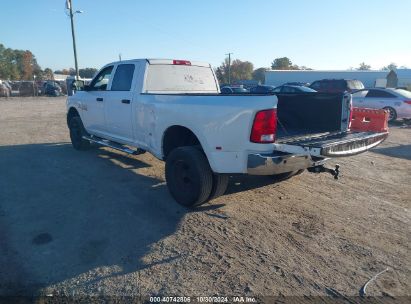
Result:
x=22 y=65
x=244 y=70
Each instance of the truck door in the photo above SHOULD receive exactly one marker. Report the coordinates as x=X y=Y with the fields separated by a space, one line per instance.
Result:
x=93 y=102
x=119 y=104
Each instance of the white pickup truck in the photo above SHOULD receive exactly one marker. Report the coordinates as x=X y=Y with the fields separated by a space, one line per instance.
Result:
x=174 y=110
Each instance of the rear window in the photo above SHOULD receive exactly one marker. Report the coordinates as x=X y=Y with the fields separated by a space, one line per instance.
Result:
x=379 y=94
x=338 y=84
x=165 y=78
x=315 y=85
x=305 y=89
x=355 y=85
x=404 y=93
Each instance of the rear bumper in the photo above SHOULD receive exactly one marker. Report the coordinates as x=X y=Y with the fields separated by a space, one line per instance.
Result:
x=304 y=154
x=277 y=162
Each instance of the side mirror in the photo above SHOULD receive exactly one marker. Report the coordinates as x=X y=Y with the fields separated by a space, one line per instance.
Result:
x=78 y=85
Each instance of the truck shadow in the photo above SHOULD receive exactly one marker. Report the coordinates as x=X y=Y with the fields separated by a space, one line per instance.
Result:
x=402 y=151
x=65 y=213
x=241 y=183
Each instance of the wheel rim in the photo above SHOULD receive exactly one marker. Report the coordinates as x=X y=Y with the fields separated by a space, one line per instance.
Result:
x=391 y=114
x=183 y=174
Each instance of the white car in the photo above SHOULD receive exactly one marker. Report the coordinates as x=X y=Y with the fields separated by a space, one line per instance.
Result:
x=396 y=101
x=174 y=110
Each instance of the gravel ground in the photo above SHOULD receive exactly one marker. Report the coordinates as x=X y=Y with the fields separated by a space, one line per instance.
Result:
x=103 y=223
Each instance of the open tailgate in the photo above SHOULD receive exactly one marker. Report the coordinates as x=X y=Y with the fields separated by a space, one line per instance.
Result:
x=369 y=128
x=333 y=145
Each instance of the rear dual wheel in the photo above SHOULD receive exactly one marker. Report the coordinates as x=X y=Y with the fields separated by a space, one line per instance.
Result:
x=190 y=179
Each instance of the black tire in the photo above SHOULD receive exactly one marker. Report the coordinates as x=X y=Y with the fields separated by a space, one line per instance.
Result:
x=392 y=114
x=189 y=176
x=77 y=132
x=284 y=176
x=220 y=183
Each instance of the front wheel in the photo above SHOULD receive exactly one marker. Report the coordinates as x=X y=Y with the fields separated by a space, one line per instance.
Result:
x=77 y=132
x=392 y=114
x=189 y=176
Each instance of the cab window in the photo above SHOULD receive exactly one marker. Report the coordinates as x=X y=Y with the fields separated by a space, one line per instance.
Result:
x=101 y=81
x=123 y=77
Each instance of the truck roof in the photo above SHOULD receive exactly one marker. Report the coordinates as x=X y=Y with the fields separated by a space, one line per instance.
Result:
x=153 y=61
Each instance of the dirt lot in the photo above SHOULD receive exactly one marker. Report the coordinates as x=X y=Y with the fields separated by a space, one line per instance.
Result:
x=102 y=222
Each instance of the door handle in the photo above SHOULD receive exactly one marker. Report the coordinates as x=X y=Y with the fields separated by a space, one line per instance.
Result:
x=126 y=101
x=99 y=99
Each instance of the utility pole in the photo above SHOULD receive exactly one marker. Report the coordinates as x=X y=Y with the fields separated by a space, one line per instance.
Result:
x=70 y=7
x=229 y=67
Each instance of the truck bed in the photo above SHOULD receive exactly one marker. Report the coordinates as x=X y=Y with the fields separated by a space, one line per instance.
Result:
x=301 y=115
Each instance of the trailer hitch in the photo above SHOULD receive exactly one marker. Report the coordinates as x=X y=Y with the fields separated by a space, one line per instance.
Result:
x=321 y=168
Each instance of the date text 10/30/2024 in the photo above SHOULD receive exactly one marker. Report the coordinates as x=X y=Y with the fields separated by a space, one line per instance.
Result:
x=177 y=299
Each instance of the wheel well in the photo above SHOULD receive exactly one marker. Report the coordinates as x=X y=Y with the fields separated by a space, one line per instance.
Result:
x=178 y=136
x=71 y=113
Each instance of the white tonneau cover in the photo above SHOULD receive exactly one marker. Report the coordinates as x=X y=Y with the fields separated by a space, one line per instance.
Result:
x=167 y=76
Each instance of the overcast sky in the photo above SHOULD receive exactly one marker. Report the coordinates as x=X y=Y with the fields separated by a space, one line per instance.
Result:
x=321 y=34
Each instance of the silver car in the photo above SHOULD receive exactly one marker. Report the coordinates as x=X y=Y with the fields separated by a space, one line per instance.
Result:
x=396 y=101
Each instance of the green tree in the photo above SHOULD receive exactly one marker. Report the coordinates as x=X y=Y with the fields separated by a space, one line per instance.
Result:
x=364 y=67
x=391 y=67
x=8 y=64
x=259 y=74
x=240 y=70
x=87 y=72
x=18 y=64
x=283 y=63
x=48 y=74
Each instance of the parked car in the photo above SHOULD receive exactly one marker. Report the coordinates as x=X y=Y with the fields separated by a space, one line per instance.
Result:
x=305 y=84
x=337 y=85
x=233 y=90
x=396 y=101
x=52 y=88
x=27 y=88
x=4 y=90
x=174 y=110
x=262 y=89
x=8 y=86
x=293 y=89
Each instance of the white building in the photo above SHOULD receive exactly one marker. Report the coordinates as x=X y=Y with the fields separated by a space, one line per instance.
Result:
x=399 y=78
x=60 y=77
x=279 y=77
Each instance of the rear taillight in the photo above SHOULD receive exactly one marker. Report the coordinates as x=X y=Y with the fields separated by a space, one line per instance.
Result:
x=408 y=101
x=264 y=127
x=181 y=62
